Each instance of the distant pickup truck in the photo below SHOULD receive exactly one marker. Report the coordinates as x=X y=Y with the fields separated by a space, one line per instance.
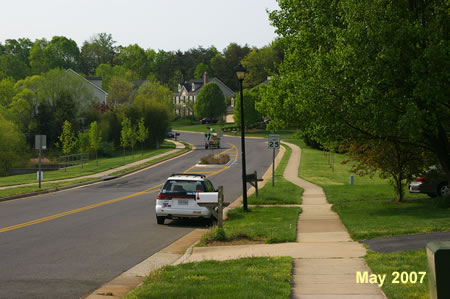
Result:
x=212 y=140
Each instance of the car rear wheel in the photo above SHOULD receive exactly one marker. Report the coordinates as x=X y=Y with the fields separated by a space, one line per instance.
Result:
x=444 y=190
x=160 y=219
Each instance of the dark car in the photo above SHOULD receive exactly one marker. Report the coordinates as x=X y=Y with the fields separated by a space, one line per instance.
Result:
x=207 y=120
x=173 y=134
x=432 y=182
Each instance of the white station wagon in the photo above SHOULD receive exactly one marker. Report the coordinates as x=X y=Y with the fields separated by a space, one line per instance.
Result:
x=177 y=198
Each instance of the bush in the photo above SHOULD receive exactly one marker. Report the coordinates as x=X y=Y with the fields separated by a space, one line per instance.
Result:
x=219 y=235
x=213 y=159
x=106 y=149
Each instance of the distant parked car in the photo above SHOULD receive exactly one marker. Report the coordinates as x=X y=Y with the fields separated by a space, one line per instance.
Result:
x=173 y=134
x=432 y=182
x=207 y=120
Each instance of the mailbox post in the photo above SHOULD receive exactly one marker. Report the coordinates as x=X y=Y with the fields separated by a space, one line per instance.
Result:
x=438 y=254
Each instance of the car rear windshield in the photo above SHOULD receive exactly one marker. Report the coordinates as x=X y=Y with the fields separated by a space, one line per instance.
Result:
x=182 y=187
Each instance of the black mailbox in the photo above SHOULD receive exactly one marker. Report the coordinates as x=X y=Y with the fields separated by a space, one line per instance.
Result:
x=438 y=254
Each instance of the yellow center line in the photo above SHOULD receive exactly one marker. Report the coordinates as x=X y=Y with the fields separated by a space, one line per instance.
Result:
x=146 y=191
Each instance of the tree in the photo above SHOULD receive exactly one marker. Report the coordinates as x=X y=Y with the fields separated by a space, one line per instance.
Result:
x=98 y=50
x=67 y=138
x=135 y=58
x=12 y=66
x=7 y=91
x=391 y=160
x=94 y=139
x=260 y=63
x=125 y=134
x=364 y=72
x=223 y=65
x=200 y=69
x=120 y=91
x=210 y=102
x=63 y=53
x=251 y=115
x=12 y=144
x=39 y=58
x=142 y=133
x=108 y=72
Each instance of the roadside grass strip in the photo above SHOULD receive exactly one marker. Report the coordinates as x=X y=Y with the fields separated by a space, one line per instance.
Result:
x=88 y=168
x=242 y=278
x=258 y=225
x=283 y=191
x=35 y=188
x=404 y=272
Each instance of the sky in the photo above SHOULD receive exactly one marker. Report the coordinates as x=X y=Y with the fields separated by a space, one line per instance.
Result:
x=168 y=25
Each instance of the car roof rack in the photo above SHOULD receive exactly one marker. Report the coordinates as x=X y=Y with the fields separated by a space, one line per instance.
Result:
x=188 y=174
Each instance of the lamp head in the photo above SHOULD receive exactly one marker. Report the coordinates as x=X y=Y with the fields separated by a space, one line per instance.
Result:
x=240 y=72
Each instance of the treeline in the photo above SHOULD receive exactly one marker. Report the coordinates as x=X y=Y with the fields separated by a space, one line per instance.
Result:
x=53 y=101
x=39 y=96
x=100 y=56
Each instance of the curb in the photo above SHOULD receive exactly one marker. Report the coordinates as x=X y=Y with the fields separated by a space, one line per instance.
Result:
x=103 y=179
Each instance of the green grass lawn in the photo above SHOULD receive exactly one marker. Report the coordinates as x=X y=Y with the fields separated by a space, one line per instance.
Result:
x=404 y=261
x=259 y=224
x=44 y=186
x=367 y=208
x=283 y=191
x=242 y=278
x=88 y=168
x=376 y=219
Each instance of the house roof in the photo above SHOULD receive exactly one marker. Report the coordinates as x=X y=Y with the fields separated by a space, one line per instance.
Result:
x=198 y=84
x=92 y=84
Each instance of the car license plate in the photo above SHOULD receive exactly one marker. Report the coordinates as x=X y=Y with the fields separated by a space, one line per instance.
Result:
x=183 y=202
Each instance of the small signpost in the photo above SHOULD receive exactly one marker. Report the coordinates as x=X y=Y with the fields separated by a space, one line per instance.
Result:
x=274 y=143
x=40 y=143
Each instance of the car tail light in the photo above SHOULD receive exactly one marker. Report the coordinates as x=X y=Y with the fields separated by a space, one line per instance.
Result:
x=164 y=196
x=420 y=179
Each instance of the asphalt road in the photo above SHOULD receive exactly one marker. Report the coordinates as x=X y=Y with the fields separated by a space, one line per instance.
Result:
x=407 y=242
x=67 y=244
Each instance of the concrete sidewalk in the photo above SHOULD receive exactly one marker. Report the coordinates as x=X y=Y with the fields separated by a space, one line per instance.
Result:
x=326 y=259
x=106 y=173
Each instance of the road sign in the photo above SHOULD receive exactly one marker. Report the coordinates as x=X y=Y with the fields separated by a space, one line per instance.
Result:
x=37 y=141
x=274 y=141
x=208 y=136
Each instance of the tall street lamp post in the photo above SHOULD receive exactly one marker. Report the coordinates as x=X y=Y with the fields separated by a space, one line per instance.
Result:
x=240 y=73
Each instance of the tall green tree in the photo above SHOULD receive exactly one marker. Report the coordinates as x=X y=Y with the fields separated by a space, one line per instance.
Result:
x=125 y=134
x=251 y=115
x=100 y=49
x=200 y=69
x=210 y=102
x=365 y=71
x=67 y=138
x=142 y=133
x=135 y=58
x=12 y=145
x=94 y=139
x=224 y=65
